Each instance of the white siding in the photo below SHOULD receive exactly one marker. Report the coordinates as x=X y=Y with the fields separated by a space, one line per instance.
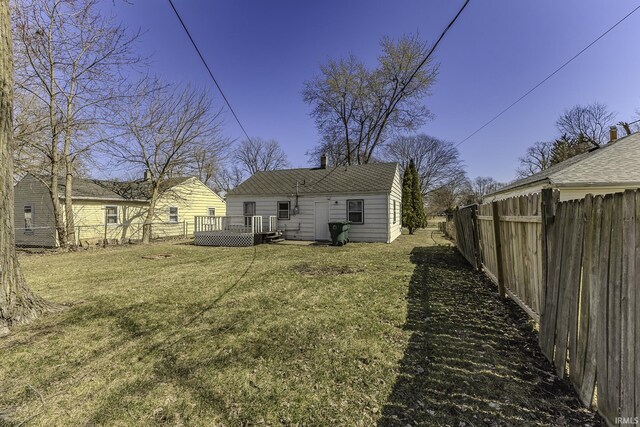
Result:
x=302 y=225
x=395 y=229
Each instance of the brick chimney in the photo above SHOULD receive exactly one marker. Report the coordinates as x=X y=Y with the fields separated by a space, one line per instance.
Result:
x=613 y=133
x=323 y=161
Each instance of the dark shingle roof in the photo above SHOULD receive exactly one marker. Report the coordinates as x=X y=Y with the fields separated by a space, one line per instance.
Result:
x=614 y=163
x=369 y=178
x=115 y=190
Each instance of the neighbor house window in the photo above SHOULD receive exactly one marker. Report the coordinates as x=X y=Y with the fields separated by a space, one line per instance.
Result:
x=28 y=218
x=173 y=214
x=283 y=210
x=355 y=211
x=394 y=212
x=212 y=211
x=111 y=214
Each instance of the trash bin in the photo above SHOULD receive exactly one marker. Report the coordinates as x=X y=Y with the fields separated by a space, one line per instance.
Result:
x=339 y=232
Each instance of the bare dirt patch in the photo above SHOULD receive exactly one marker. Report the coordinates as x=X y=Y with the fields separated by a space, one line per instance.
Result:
x=307 y=269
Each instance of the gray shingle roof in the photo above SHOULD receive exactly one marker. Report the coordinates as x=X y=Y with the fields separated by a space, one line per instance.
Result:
x=369 y=178
x=614 y=163
x=115 y=190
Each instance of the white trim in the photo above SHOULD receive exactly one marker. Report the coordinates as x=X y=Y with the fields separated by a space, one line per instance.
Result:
x=106 y=215
x=177 y=215
x=30 y=206
x=361 y=212
x=288 y=202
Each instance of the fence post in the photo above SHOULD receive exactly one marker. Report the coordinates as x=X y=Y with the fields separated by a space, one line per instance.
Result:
x=476 y=236
x=548 y=216
x=499 y=260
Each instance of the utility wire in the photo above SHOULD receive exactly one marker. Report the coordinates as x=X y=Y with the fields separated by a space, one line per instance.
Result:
x=404 y=86
x=547 y=78
x=208 y=69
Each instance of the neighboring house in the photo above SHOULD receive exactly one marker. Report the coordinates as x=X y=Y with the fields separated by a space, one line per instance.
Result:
x=612 y=168
x=112 y=209
x=306 y=200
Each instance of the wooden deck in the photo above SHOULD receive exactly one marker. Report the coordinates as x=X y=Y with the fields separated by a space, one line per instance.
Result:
x=235 y=231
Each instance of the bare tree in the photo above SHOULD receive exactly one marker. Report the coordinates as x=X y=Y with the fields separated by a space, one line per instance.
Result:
x=590 y=122
x=70 y=58
x=166 y=126
x=444 y=199
x=228 y=178
x=536 y=159
x=260 y=155
x=438 y=162
x=358 y=110
x=481 y=186
x=17 y=303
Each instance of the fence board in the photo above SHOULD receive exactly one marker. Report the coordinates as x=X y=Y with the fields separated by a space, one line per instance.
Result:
x=589 y=300
x=567 y=289
x=627 y=302
x=467 y=234
x=602 y=373
x=579 y=342
x=636 y=283
x=548 y=318
x=615 y=318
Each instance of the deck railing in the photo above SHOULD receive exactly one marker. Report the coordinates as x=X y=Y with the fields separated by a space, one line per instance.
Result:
x=273 y=223
x=234 y=223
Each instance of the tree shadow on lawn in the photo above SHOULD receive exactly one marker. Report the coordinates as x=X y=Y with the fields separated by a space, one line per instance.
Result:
x=472 y=359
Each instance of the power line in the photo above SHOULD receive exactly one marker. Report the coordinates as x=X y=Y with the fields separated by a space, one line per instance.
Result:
x=208 y=69
x=547 y=78
x=404 y=86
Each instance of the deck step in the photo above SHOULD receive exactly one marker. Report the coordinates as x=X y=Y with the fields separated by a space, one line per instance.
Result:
x=276 y=240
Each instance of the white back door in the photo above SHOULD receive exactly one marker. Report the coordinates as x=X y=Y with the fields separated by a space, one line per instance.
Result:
x=322 y=221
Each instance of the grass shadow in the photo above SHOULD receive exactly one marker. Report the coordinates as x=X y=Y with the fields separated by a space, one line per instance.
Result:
x=472 y=359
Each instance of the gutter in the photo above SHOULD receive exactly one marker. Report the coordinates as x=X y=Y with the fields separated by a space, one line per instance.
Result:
x=634 y=184
x=506 y=189
x=105 y=199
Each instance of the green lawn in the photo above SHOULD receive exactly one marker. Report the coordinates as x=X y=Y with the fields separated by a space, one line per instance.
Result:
x=212 y=336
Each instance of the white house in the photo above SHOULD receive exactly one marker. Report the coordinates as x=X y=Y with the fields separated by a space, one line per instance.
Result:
x=306 y=200
x=611 y=168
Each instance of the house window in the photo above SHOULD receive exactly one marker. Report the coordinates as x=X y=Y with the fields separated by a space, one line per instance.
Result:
x=28 y=218
x=283 y=210
x=111 y=214
x=394 y=212
x=355 y=211
x=249 y=210
x=173 y=214
x=211 y=211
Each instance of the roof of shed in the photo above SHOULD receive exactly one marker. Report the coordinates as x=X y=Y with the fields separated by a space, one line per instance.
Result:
x=369 y=178
x=615 y=163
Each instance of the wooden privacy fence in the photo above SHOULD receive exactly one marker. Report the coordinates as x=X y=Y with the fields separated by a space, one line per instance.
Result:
x=511 y=249
x=574 y=267
x=467 y=234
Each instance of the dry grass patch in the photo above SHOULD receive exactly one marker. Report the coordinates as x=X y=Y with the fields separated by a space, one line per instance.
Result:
x=358 y=335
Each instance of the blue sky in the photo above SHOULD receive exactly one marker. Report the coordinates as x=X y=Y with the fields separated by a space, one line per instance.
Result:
x=261 y=52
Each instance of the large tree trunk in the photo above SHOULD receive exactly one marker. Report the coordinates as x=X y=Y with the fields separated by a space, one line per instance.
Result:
x=17 y=303
x=68 y=206
x=57 y=209
x=146 y=228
